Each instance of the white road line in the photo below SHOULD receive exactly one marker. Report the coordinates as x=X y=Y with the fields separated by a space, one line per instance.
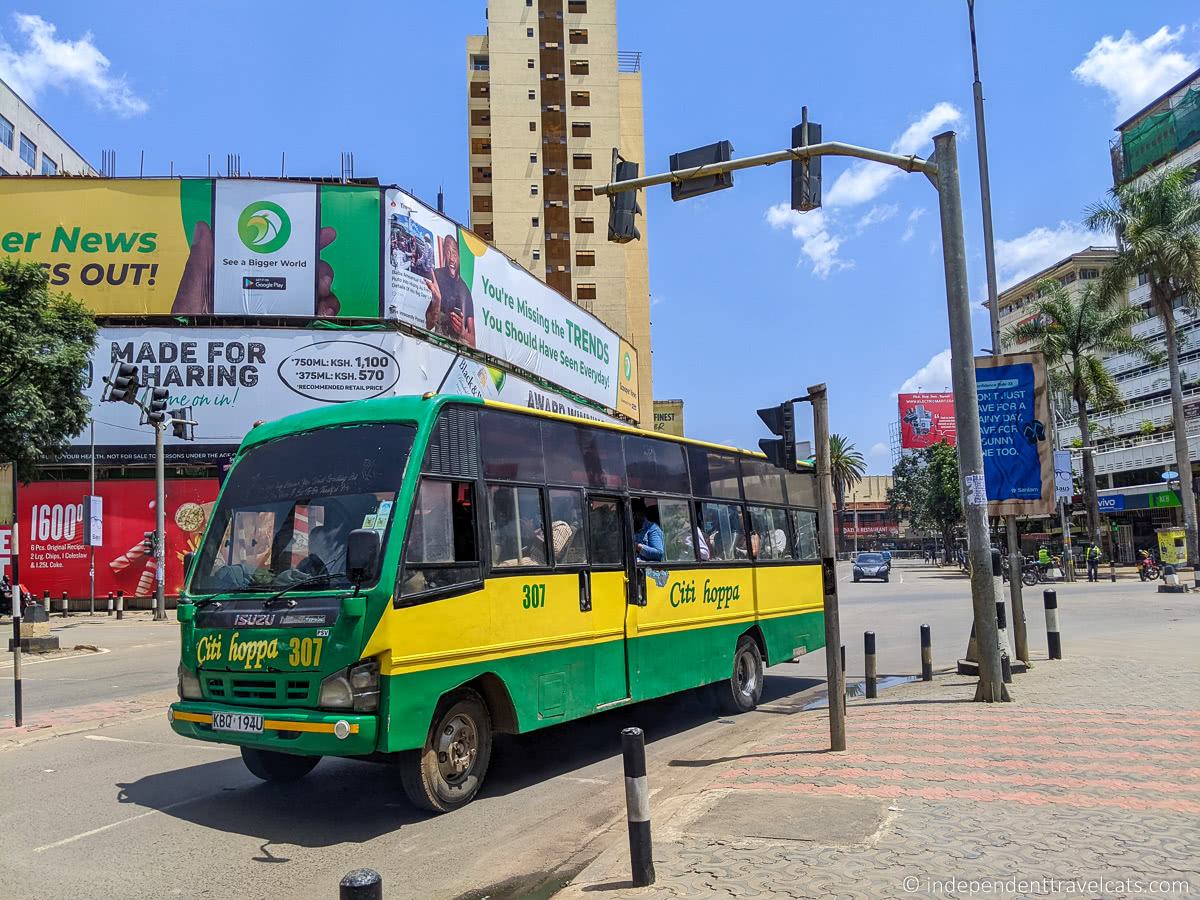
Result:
x=84 y=834
x=33 y=662
x=584 y=780
x=193 y=745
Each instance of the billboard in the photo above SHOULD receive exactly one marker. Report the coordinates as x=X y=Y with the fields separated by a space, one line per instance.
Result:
x=1014 y=425
x=54 y=558
x=230 y=379
x=245 y=247
x=444 y=279
x=927 y=419
x=668 y=417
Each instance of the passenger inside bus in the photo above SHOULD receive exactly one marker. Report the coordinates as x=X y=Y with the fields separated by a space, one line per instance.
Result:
x=648 y=540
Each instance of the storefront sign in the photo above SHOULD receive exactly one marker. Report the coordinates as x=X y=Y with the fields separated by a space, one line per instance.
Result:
x=1109 y=503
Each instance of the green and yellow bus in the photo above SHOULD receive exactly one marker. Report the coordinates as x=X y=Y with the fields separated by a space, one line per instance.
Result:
x=408 y=576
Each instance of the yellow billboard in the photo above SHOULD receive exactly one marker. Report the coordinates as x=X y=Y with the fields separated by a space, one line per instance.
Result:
x=121 y=246
x=668 y=417
x=627 y=382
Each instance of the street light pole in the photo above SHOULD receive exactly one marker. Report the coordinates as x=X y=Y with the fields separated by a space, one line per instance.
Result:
x=160 y=505
x=1021 y=640
x=966 y=414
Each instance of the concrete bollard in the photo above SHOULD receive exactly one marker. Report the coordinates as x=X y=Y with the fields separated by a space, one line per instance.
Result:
x=110 y=603
x=926 y=654
x=1053 y=641
x=869 y=665
x=66 y=602
x=637 y=806
x=361 y=884
x=46 y=603
x=120 y=604
x=1002 y=631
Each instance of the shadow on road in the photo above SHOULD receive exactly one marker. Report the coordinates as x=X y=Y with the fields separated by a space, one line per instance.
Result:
x=351 y=801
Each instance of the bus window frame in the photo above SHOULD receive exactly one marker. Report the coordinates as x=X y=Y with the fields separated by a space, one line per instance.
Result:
x=505 y=571
x=791 y=559
x=584 y=528
x=623 y=505
x=690 y=503
x=401 y=600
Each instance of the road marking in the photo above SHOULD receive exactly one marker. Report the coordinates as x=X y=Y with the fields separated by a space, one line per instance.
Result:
x=111 y=825
x=584 y=780
x=87 y=654
x=194 y=745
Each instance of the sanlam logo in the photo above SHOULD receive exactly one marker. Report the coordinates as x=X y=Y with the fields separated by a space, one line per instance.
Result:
x=264 y=227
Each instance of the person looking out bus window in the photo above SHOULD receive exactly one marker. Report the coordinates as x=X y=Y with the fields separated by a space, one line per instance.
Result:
x=647 y=534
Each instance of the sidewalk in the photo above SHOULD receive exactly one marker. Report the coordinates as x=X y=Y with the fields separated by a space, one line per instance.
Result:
x=1091 y=777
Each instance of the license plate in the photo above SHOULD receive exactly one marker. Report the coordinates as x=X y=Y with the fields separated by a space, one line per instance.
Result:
x=243 y=722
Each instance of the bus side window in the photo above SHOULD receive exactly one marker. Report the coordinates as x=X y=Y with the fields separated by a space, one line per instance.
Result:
x=605 y=532
x=440 y=547
x=566 y=528
x=804 y=524
x=722 y=526
x=517 y=526
x=770 y=525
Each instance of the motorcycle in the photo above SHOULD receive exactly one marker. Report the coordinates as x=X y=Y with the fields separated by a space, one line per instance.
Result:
x=1033 y=573
x=1149 y=570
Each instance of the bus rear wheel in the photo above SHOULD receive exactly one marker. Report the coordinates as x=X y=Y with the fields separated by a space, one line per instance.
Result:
x=270 y=765
x=741 y=691
x=448 y=771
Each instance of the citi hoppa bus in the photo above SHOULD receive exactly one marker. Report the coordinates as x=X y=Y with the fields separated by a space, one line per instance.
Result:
x=408 y=576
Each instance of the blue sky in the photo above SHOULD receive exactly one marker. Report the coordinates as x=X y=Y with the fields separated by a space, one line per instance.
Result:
x=751 y=303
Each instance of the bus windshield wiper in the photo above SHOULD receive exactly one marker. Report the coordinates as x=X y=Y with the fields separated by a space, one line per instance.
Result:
x=220 y=595
x=313 y=579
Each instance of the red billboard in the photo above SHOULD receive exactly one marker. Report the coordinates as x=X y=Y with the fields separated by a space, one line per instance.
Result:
x=54 y=558
x=927 y=419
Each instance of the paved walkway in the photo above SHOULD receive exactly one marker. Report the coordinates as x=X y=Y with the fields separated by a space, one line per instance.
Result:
x=1089 y=785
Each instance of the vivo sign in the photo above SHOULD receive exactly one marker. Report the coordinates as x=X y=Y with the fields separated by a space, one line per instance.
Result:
x=1111 y=503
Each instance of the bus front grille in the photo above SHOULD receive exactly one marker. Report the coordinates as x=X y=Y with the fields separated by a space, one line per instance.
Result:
x=264 y=691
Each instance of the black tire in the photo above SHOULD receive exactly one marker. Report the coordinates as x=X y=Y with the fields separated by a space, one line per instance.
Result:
x=448 y=771
x=856 y=579
x=740 y=692
x=885 y=579
x=270 y=765
x=1029 y=579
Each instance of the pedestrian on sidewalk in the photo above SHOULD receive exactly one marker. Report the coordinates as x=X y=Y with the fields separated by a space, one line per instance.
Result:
x=1093 y=561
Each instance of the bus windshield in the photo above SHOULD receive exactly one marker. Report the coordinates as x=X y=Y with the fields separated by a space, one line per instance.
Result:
x=288 y=507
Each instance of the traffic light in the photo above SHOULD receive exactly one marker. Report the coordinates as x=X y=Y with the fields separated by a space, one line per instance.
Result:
x=156 y=411
x=123 y=386
x=623 y=206
x=780 y=420
x=182 y=424
x=721 y=151
x=806 y=173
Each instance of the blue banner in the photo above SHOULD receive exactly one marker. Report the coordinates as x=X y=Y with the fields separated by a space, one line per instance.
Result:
x=1011 y=432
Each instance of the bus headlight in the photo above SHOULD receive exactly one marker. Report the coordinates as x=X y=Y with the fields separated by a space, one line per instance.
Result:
x=189 y=684
x=354 y=688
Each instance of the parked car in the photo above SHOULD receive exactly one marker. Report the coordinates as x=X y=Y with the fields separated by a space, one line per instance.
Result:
x=871 y=565
x=887 y=557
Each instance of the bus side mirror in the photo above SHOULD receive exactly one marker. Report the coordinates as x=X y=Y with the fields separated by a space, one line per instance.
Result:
x=362 y=555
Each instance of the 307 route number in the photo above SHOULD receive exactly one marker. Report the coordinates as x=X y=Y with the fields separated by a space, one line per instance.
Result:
x=304 y=652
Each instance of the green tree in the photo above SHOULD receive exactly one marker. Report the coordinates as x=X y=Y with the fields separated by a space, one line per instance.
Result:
x=846 y=466
x=1075 y=333
x=1157 y=224
x=925 y=491
x=45 y=339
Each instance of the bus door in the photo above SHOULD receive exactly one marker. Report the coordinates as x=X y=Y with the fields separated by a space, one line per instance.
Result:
x=604 y=589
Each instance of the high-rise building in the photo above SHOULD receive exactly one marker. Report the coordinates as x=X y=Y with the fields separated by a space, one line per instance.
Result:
x=29 y=146
x=549 y=98
x=1074 y=272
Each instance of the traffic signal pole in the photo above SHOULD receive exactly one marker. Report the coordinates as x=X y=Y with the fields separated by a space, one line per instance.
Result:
x=160 y=507
x=942 y=171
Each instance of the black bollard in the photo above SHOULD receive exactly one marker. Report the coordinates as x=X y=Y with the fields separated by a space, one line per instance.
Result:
x=120 y=604
x=926 y=654
x=637 y=806
x=110 y=603
x=46 y=602
x=1002 y=630
x=361 y=884
x=872 y=674
x=65 y=604
x=1053 y=641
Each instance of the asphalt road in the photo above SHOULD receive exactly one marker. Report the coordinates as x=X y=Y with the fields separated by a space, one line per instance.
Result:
x=121 y=806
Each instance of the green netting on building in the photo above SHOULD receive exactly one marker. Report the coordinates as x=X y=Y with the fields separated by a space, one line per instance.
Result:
x=1162 y=135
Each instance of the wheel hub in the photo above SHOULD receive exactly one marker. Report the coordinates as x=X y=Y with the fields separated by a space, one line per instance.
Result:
x=457 y=748
x=746 y=676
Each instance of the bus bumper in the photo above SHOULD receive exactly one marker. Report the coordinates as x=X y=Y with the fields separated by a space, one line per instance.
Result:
x=303 y=732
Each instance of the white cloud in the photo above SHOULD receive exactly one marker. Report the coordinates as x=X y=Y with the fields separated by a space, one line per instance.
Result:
x=879 y=450
x=865 y=181
x=1023 y=256
x=877 y=214
x=811 y=229
x=1136 y=72
x=910 y=229
x=933 y=376
x=47 y=61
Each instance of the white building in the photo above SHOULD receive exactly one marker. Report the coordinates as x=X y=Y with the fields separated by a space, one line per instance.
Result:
x=29 y=146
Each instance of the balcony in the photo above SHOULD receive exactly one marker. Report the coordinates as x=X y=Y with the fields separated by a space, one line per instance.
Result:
x=1158 y=380
x=1156 y=138
x=1136 y=454
x=1152 y=326
x=1129 y=420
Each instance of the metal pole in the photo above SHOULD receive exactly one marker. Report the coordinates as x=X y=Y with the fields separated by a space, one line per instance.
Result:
x=870 y=665
x=926 y=654
x=966 y=413
x=88 y=513
x=160 y=505
x=835 y=678
x=16 y=603
x=989 y=256
x=637 y=807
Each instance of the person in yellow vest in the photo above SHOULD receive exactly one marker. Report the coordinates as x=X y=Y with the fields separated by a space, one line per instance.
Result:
x=1093 y=561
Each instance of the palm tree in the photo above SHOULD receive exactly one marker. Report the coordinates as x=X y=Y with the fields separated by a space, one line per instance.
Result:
x=1074 y=334
x=846 y=465
x=1158 y=229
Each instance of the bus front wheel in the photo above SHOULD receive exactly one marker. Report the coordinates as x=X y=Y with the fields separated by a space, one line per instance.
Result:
x=272 y=766
x=448 y=771
x=741 y=691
